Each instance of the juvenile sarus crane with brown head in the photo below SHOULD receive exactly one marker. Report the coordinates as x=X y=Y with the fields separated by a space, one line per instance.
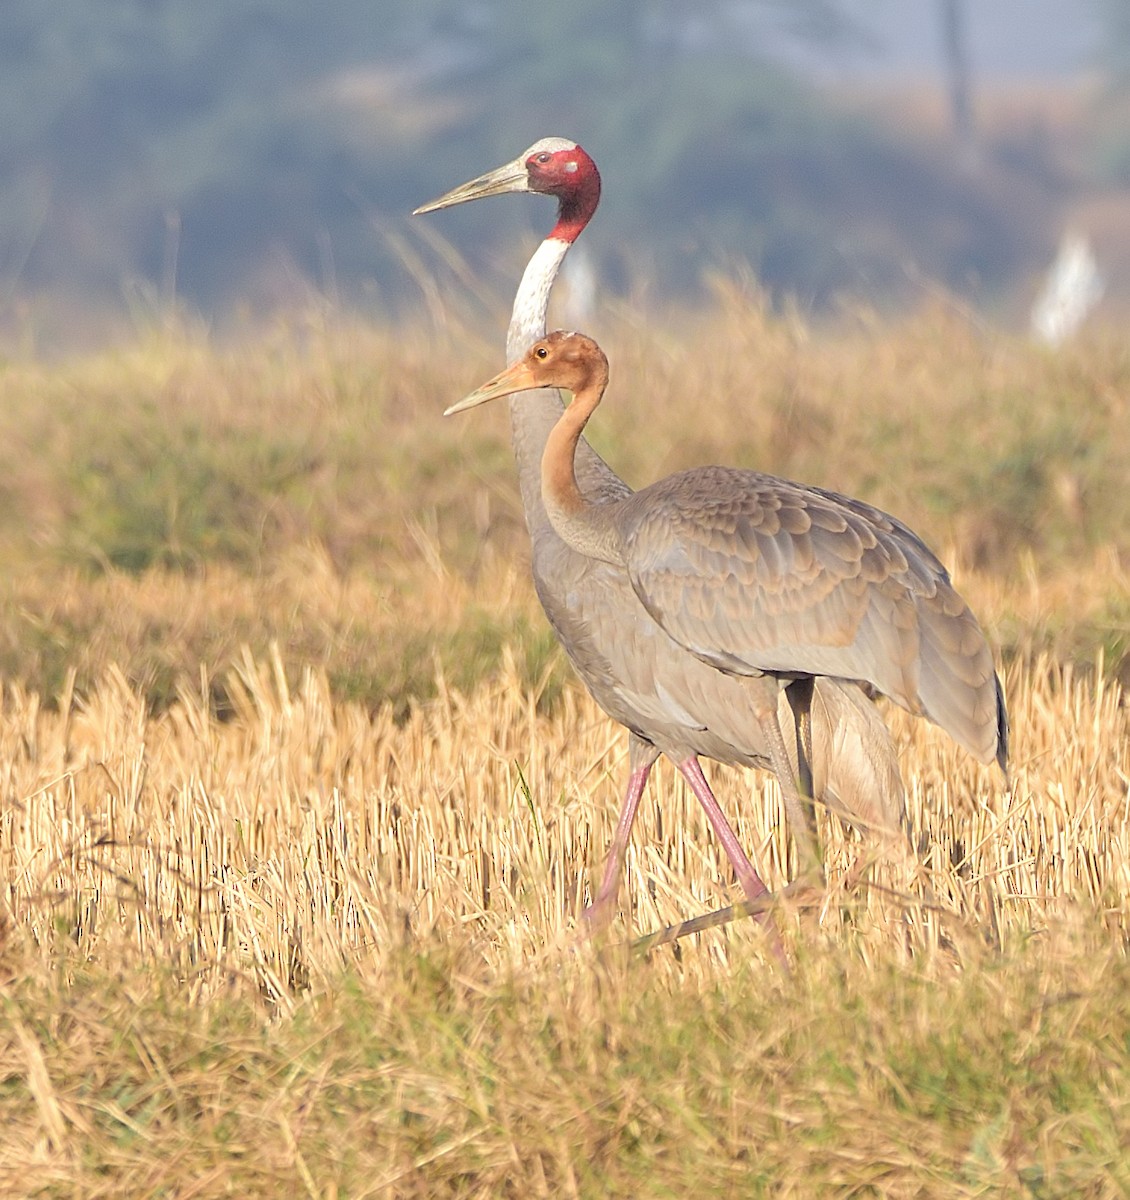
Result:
x=671 y=701
x=765 y=579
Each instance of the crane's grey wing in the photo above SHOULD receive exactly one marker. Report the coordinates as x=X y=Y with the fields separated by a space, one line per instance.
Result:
x=891 y=525
x=754 y=573
x=648 y=682
x=989 y=714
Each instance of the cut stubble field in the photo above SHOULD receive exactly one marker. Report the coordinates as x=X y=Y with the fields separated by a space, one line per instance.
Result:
x=276 y=925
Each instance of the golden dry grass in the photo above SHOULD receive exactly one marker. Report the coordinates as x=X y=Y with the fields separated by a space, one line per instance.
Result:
x=265 y=931
x=259 y=865
x=304 y=835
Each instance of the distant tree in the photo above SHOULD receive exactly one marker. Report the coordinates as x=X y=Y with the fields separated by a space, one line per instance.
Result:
x=121 y=112
x=956 y=57
x=1112 y=138
x=1114 y=46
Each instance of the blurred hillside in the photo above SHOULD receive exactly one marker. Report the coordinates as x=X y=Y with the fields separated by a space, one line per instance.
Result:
x=262 y=152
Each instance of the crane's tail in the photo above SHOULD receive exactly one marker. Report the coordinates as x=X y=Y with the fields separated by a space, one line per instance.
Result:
x=957 y=685
x=854 y=766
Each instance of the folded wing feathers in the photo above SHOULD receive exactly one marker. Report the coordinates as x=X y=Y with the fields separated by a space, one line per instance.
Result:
x=755 y=574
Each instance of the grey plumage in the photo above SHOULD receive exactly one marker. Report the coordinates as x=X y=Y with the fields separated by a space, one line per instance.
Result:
x=673 y=701
x=754 y=574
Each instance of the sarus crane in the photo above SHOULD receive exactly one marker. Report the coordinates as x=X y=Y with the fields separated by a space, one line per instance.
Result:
x=670 y=700
x=765 y=578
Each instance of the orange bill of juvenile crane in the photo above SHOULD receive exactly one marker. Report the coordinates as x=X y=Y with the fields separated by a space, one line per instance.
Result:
x=517 y=378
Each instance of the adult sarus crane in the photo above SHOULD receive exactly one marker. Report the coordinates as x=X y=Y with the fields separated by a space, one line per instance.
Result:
x=671 y=700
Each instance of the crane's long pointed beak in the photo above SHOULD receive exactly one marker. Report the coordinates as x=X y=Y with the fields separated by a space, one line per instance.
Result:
x=517 y=378
x=509 y=178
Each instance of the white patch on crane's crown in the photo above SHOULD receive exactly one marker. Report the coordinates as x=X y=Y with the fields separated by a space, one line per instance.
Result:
x=570 y=166
x=550 y=144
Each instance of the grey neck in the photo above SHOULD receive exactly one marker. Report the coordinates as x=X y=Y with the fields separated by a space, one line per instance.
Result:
x=592 y=532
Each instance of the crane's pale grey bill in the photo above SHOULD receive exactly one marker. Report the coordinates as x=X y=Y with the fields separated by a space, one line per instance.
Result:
x=518 y=378
x=512 y=177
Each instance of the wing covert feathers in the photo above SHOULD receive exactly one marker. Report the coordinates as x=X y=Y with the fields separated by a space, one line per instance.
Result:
x=756 y=574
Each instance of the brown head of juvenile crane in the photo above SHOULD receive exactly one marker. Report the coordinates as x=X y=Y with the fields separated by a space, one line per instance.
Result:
x=769 y=579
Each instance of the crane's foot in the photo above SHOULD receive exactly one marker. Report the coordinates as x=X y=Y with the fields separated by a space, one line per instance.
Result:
x=596 y=919
x=760 y=908
x=810 y=881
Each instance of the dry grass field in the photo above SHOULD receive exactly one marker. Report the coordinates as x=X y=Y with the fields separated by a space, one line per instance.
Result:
x=300 y=803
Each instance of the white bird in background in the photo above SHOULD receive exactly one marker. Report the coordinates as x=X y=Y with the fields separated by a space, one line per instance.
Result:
x=1072 y=289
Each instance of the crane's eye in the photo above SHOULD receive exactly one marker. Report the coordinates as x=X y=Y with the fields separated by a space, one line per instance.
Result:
x=544 y=157
x=542 y=352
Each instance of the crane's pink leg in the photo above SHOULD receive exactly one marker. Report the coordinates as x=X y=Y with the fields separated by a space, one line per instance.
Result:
x=743 y=868
x=642 y=758
x=747 y=876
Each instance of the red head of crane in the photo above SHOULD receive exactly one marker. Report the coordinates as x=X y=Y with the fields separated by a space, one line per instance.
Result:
x=553 y=167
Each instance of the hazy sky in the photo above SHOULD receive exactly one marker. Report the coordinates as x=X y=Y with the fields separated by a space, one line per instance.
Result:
x=1036 y=39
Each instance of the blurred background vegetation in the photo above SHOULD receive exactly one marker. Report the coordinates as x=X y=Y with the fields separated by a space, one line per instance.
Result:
x=237 y=156
x=219 y=409
x=176 y=505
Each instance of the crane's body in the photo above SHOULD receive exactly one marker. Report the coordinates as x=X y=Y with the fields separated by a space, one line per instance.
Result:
x=759 y=576
x=670 y=699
